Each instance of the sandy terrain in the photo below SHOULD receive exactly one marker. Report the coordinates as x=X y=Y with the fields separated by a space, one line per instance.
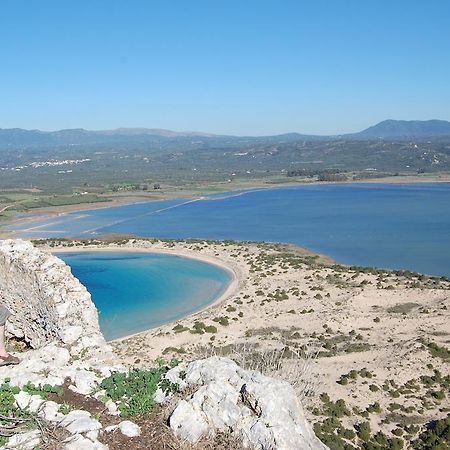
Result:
x=373 y=326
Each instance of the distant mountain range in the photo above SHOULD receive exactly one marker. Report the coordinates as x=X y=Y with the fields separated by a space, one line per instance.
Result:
x=388 y=129
x=406 y=129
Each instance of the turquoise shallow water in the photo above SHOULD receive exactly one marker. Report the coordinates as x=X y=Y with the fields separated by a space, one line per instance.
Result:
x=402 y=226
x=137 y=291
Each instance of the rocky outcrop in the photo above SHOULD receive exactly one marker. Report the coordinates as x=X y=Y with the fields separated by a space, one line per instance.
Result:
x=53 y=313
x=48 y=303
x=265 y=413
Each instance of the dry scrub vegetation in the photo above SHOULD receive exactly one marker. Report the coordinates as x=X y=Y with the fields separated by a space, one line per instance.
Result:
x=366 y=349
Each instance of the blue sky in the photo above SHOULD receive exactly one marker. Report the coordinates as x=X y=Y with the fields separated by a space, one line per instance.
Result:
x=223 y=66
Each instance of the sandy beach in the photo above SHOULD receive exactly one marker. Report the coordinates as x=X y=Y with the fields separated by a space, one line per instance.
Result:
x=236 y=277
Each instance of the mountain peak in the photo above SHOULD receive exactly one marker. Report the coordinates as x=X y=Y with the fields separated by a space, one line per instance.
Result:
x=391 y=128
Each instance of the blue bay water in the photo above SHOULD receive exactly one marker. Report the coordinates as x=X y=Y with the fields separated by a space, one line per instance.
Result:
x=402 y=226
x=135 y=291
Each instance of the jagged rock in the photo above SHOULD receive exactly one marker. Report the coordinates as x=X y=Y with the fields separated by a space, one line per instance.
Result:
x=264 y=412
x=22 y=399
x=189 y=423
x=53 y=312
x=50 y=412
x=129 y=429
x=24 y=441
x=25 y=401
x=79 y=421
x=48 y=303
x=79 y=442
x=112 y=408
x=161 y=396
x=70 y=334
x=93 y=435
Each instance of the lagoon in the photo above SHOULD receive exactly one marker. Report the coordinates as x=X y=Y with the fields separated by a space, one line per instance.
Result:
x=136 y=291
x=398 y=226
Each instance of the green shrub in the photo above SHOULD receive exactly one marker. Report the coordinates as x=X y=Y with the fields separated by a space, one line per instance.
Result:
x=436 y=437
x=437 y=351
x=438 y=395
x=223 y=320
x=336 y=409
x=348 y=434
x=381 y=439
x=363 y=431
x=135 y=390
x=374 y=408
x=395 y=443
x=10 y=414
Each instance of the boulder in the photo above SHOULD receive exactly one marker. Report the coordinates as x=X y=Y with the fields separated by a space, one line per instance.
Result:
x=129 y=429
x=264 y=412
x=79 y=442
x=24 y=441
x=79 y=421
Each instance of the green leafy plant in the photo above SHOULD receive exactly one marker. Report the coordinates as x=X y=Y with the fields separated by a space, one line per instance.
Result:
x=134 y=391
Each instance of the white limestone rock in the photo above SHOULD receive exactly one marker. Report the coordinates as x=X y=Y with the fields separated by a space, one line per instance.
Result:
x=262 y=411
x=112 y=408
x=50 y=412
x=93 y=435
x=53 y=312
x=25 y=401
x=22 y=400
x=129 y=429
x=161 y=397
x=79 y=442
x=48 y=303
x=71 y=334
x=188 y=423
x=79 y=421
x=84 y=382
x=24 y=441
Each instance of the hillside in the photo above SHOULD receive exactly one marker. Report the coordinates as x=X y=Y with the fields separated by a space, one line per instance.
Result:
x=399 y=129
x=406 y=129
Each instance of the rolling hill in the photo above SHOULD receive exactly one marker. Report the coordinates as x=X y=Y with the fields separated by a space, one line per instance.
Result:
x=388 y=129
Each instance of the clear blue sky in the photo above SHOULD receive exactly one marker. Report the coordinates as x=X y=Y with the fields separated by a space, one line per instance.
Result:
x=223 y=66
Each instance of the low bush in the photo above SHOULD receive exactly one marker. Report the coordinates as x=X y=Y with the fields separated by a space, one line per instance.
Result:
x=134 y=391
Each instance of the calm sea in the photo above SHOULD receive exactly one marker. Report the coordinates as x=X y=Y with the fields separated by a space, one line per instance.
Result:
x=403 y=226
x=137 y=291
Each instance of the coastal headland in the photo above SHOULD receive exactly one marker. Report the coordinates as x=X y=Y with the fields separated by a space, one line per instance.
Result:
x=360 y=345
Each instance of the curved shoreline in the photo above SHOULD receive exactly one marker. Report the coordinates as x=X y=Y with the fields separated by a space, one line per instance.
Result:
x=236 y=276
